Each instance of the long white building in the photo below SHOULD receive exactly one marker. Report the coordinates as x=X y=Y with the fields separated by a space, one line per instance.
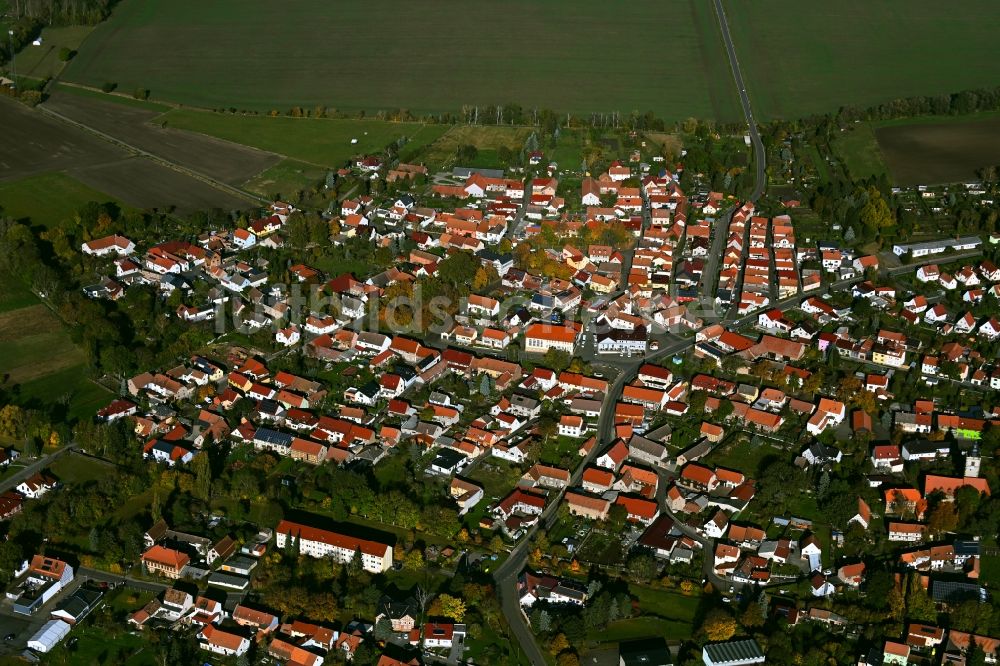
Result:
x=376 y=557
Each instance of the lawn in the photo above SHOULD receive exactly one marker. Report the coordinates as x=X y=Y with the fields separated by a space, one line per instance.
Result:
x=99 y=646
x=72 y=468
x=322 y=142
x=41 y=359
x=858 y=148
x=989 y=571
x=643 y=627
x=77 y=396
x=809 y=57
x=42 y=62
x=35 y=344
x=497 y=477
x=561 y=451
x=678 y=610
x=740 y=454
x=14 y=294
x=49 y=200
x=286 y=178
x=487 y=140
x=577 y=57
x=601 y=548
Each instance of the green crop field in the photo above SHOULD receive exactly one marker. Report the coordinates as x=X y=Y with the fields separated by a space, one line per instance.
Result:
x=42 y=62
x=580 y=57
x=810 y=56
x=49 y=199
x=318 y=141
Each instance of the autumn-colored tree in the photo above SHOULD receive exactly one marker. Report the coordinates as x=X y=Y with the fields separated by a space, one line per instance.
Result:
x=943 y=518
x=12 y=421
x=414 y=560
x=445 y=605
x=567 y=659
x=876 y=213
x=558 y=644
x=719 y=625
x=752 y=617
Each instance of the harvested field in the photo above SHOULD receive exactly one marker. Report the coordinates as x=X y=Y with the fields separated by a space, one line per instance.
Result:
x=929 y=154
x=143 y=183
x=35 y=144
x=228 y=162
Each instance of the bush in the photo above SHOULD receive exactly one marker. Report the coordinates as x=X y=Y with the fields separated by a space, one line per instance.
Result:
x=108 y=87
x=66 y=54
x=141 y=93
x=31 y=97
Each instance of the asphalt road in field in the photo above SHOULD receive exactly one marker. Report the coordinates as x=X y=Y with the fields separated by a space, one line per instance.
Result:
x=507 y=573
x=734 y=63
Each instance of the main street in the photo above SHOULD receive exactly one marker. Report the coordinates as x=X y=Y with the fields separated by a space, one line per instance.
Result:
x=507 y=573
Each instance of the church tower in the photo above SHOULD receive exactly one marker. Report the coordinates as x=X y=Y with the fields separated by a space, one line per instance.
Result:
x=972 y=461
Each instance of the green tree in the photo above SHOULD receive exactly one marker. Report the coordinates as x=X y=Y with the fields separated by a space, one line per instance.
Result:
x=919 y=605
x=556 y=359
x=202 y=469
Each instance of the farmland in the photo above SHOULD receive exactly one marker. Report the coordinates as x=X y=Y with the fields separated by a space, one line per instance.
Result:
x=318 y=141
x=42 y=62
x=814 y=57
x=222 y=160
x=49 y=199
x=922 y=151
x=939 y=153
x=36 y=144
x=577 y=57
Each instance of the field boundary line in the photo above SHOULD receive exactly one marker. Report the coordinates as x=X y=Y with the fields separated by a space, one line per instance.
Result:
x=79 y=86
x=197 y=175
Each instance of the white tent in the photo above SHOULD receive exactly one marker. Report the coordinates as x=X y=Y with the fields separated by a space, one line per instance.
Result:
x=49 y=636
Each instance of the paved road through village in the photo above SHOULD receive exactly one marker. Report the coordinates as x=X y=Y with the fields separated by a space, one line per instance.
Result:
x=507 y=573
